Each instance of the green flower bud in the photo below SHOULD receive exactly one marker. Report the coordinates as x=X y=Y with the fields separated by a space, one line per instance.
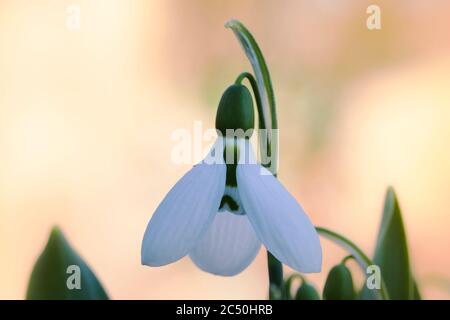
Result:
x=60 y=274
x=235 y=110
x=307 y=292
x=339 y=284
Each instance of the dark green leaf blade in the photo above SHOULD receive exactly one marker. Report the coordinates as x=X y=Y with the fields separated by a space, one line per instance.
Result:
x=391 y=253
x=50 y=274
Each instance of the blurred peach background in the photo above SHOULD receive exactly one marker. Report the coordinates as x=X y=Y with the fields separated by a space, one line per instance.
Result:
x=86 y=117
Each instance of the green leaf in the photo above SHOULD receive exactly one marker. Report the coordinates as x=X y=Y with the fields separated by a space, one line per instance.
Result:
x=339 y=284
x=56 y=270
x=391 y=253
x=307 y=292
x=266 y=99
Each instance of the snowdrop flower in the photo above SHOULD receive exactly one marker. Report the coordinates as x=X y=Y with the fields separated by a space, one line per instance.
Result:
x=219 y=213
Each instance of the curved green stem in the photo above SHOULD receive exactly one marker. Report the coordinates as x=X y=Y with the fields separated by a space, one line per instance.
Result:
x=349 y=257
x=259 y=107
x=288 y=285
x=356 y=252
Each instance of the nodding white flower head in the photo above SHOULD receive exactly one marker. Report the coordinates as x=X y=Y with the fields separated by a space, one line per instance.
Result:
x=221 y=211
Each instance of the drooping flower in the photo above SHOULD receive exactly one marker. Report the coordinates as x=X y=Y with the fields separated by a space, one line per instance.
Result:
x=221 y=211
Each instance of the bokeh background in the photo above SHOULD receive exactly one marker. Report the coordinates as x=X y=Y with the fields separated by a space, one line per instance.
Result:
x=86 y=118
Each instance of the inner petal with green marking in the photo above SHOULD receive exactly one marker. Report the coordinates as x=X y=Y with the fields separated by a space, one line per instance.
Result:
x=231 y=201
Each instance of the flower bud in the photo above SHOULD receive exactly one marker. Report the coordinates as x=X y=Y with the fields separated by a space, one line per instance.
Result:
x=339 y=284
x=307 y=292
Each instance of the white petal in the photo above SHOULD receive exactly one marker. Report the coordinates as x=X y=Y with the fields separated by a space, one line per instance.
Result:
x=278 y=219
x=184 y=215
x=228 y=247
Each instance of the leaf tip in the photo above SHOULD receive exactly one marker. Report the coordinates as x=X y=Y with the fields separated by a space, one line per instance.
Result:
x=391 y=200
x=55 y=232
x=231 y=23
x=390 y=191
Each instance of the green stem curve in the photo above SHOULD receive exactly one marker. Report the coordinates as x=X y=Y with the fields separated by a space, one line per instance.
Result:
x=362 y=259
x=259 y=107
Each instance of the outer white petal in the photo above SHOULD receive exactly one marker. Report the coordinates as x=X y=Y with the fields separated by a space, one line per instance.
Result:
x=184 y=215
x=228 y=247
x=278 y=219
